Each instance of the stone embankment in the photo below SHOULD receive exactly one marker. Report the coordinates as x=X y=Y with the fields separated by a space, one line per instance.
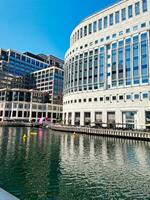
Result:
x=16 y=124
x=129 y=134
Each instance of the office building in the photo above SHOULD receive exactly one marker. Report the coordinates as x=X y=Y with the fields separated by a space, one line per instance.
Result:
x=107 y=68
x=19 y=64
x=49 y=80
x=27 y=106
x=22 y=77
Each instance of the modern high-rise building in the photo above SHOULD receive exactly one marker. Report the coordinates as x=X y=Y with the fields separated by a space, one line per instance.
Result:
x=107 y=68
x=31 y=86
x=19 y=64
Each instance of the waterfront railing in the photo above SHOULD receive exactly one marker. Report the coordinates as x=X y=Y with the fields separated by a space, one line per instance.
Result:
x=130 y=134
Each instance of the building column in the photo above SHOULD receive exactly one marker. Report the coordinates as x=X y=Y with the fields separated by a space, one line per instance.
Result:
x=104 y=118
x=92 y=118
x=118 y=117
x=73 y=119
x=63 y=117
x=81 y=118
x=140 y=120
x=66 y=118
x=30 y=113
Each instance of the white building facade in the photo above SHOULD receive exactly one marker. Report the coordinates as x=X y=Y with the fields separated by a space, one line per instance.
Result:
x=27 y=106
x=107 y=68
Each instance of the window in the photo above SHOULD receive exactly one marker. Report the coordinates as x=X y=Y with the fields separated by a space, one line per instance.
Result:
x=121 y=97
x=102 y=40
x=90 y=28
x=79 y=100
x=12 y=54
x=78 y=35
x=144 y=5
x=117 y=17
x=137 y=8
x=81 y=33
x=128 y=30
x=130 y=11
x=95 y=99
x=23 y=58
x=145 y=95
x=84 y=100
x=144 y=58
x=123 y=14
x=135 y=28
x=108 y=37
x=85 y=31
x=128 y=96
x=121 y=33
x=90 y=99
x=100 y=24
x=136 y=96
x=107 y=98
x=111 y=19
x=114 y=98
x=101 y=99
x=105 y=22
x=143 y=25
x=18 y=56
x=95 y=26
x=114 y=35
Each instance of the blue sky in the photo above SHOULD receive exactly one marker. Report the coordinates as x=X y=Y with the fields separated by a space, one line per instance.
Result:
x=43 y=26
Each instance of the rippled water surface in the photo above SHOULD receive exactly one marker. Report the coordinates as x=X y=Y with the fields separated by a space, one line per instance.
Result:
x=61 y=166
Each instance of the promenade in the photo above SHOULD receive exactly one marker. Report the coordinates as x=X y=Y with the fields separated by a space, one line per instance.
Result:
x=129 y=134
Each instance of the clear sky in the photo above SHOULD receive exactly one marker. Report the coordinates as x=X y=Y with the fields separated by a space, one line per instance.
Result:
x=43 y=26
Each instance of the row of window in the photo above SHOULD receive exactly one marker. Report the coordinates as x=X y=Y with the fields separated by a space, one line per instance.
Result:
x=26 y=114
x=27 y=59
x=135 y=96
x=48 y=72
x=113 y=18
x=129 y=40
x=121 y=63
x=109 y=37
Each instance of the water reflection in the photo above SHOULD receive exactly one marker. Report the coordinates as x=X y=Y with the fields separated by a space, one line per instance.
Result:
x=55 y=165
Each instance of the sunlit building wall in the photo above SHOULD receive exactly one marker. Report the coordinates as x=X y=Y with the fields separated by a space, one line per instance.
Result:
x=107 y=68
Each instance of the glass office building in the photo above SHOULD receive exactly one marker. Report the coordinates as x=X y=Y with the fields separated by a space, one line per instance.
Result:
x=107 y=68
x=19 y=64
x=31 y=86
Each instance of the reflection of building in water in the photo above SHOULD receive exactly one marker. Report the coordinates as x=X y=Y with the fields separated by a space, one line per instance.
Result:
x=32 y=161
x=107 y=150
x=107 y=68
x=97 y=159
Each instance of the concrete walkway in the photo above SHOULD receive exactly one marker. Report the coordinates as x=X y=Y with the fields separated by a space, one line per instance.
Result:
x=6 y=196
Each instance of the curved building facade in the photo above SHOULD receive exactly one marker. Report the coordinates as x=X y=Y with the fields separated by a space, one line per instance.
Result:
x=107 y=68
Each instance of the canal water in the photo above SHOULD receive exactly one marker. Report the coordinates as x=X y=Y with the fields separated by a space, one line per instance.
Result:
x=49 y=165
